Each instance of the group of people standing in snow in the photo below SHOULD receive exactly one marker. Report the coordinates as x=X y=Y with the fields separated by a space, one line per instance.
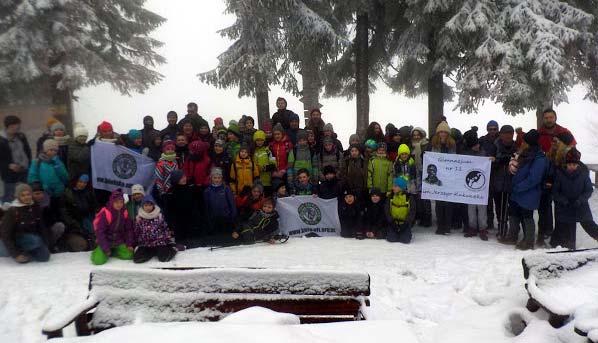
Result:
x=220 y=184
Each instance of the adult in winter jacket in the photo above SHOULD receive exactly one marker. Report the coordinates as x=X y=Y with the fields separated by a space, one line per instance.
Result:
x=22 y=233
x=197 y=165
x=243 y=171
x=419 y=144
x=476 y=214
x=500 y=178
x=529 y=169
x=353 y=172
x=171 y=130
x=192 y=116
x=49 y=170
x=148 y=132
x=219 y=205
x=400 y=213
x=293 y=129
x=442 y=142
x=571 y=190
x=152 y=236
x=77 y=214
x=15 y=156
x=380 y=171
x=316 y=125
x=79 y=157
x=282 y=116
x=374 y=131
x=114 y=231
x=487 y=144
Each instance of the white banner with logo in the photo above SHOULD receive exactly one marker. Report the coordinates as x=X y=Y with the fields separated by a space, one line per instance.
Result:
x=456 y=178
x=300 y=215
x=114 y=166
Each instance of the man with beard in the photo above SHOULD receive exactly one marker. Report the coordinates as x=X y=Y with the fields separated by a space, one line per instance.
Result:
x=487 y=145
x=547 y=132
x=170 y=131
x=148 y=132
x=196 y=120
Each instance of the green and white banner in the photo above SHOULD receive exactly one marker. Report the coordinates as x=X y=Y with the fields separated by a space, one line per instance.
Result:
x=300 y=215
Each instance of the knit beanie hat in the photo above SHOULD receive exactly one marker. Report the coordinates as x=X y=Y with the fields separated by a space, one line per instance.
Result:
x=531 y=137
x=328 y=127
x=565 y=137
x=404 y=149
x=233 y=122
x=506 y=129
x=492 y=123
x=470 y=137
x=219 y=142
x=50 y=144
x=134 y=134
x=278 y=128
x=293 y=117
x=148 y=199
x=301 y=134
x=259 y=134
x=443 y=127
x=50 y=122
x=259 y=187
x=456 y=134
x=218 y=122
x=354 y=137
x=400 y=182
x=405 y=131
x=80 y=131
x=371 y=144
x=83 y=178
x=105 y=127
x=137 y=189
x=216 y=171
x=234 y=129
x=376 y=191
x=327 y=140
x=57 y=126
x=573 y=156
x=244 y=146
x=382 y=145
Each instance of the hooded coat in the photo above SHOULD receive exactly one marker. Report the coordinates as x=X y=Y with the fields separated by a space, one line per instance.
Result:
x=151 y=229
x=51 y=173
x=528 y=181
x=113 y=227
x=380 y=171
x=242 y=173
x=79 y=159
x=197 y=166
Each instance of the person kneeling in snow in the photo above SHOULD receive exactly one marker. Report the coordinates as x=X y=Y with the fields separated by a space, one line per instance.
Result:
x=261 y=226
x=400 y=213
x=22 y=232
x=152 y=234
x=114 y=231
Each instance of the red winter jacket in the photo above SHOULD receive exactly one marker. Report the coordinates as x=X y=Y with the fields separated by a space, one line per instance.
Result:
x=280 y=150
x=547 y=135
x=197 y=165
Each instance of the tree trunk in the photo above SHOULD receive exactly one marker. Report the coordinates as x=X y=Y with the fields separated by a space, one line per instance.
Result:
x=435 y=90
x=311 y=84
x=62 y=103
x=262 y=102
x=362 y=95
x=539 y=112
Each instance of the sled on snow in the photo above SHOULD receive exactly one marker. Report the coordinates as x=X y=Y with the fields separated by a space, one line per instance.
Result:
x=562 y=283
x=119 y=297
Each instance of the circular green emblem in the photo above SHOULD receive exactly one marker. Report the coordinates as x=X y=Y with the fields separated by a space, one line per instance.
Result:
x=310 y=213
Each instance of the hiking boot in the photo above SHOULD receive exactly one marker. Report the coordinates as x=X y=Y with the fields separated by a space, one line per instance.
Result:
x=524 y=245
x=470 y=233
x=541 y=243
x=507 y=240
x=484 y=235
x=442 y=231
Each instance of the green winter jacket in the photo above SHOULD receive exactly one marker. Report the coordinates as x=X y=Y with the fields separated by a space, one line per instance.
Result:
x=263 y=157
x=380 y=173
x=233 y=149
x=301 y=157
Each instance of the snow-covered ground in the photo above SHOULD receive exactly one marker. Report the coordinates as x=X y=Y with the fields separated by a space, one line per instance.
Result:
x=446 y=289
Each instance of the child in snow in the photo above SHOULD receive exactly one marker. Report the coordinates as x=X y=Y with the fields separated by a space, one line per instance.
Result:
x=135 y=200
x=477 y=214
x=79 y=153
x=374 y=216
x=164 y=167
x=77 y=213
x=280 y=148
x=181 y=148
x=261 y=226
x=114 y=231
x=380 y=170
x=353 y=171
x=571 y=190
x=280 y=190
x=330 y=188
x=249 y=201
x=350 y=215
x=219 y=205
x=330 y=156
x=301 y=157
x=22 y=232
x=243 y=171
x=49 y=170
x=404 y=167
x=303 y=186
x=152 y=234
x=233 y=137
x=400 y=213
x=219 y=158
x=265 y=161
x=134 y=141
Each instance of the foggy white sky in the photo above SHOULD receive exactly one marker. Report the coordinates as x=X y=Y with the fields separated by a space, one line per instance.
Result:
x=192 y=46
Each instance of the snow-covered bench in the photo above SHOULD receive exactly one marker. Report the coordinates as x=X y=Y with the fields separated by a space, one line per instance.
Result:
x=556 y=284
x=586 y=321
x=119 y=297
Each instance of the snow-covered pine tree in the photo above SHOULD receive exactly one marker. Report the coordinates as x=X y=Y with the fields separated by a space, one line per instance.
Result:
x=532 y=55
x=72 y=44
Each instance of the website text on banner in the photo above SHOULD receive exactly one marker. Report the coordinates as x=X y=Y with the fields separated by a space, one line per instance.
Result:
x=456 y=178
x=114 y=166
x=300 y=215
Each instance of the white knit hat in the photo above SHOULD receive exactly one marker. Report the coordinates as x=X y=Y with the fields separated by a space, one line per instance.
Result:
x=80 y=130
x=137 y=189
x=50 y=144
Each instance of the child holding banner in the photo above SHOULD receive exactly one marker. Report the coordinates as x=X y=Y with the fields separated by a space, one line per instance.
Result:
x=400 y=213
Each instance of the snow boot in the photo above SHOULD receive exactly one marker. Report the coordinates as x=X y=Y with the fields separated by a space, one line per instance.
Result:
x=484 y=235
x=529 y=231
x=469 y=232
x=512 y=234
x=166 y=253
x=143 y=254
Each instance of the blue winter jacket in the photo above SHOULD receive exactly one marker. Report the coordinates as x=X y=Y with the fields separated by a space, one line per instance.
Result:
x=219 y=202
x=51 y=173
x=527 y=183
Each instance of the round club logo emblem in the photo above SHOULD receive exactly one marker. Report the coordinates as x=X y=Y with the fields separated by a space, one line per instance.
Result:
x=310 y=213
x=475 y=180
x=124 y=166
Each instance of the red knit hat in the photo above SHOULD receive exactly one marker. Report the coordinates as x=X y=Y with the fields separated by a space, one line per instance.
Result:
x=105 y=127
x=168 y=143
x=218 y=122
